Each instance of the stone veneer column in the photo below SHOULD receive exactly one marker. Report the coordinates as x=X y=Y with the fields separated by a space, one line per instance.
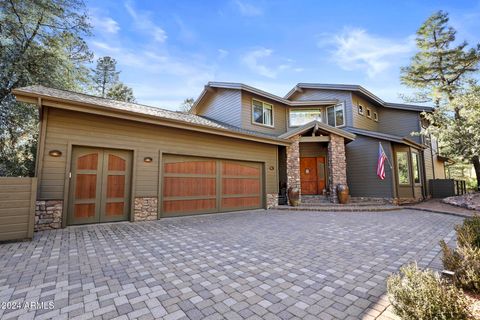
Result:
x=145 y=209
x=272 y=200
x=337 y=165
x=293 y=163
x=48 y=214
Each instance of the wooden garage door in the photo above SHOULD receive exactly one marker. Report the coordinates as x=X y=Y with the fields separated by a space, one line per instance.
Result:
x=99 y=185
x=194 y=185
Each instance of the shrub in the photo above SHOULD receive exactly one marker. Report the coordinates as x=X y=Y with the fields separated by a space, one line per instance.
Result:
x=417 y=294
x=465 y=262
x=468 y=233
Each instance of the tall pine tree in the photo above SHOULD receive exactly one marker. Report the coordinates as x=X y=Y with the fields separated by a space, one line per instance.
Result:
x=439 y=71
x=105 y=75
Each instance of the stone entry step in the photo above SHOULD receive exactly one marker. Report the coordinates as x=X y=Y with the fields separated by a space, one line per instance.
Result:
x=341 y=208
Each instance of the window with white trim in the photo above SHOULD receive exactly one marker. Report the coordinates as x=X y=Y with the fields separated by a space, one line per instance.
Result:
x=262 y=113
x=375 y=116
x=369 y=113
x=299 y=117
x=336 y=115
x=360 y=109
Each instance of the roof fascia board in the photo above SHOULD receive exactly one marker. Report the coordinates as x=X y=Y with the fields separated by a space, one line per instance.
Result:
x=135 y=116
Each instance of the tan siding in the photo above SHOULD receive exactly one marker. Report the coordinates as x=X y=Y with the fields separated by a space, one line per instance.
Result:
x=223 y=105
x=427 y=156
x=279 y=115
x=312 y=149
x=439 y=167
x=17 y=207
x=362 y=121
x=76 y=128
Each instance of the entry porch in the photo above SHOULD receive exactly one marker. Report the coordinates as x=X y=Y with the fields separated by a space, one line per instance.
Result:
x=315 y=162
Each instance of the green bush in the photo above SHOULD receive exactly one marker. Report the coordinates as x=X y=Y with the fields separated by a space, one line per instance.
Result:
x=468 y=233
x=465 y=262
x=417 y=294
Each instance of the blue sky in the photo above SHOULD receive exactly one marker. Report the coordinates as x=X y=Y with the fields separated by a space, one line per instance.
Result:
x=168 y=50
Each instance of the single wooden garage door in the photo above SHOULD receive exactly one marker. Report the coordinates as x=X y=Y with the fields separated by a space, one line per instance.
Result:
x=194 y=185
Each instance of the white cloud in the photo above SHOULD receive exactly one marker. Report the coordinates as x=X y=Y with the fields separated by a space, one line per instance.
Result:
x=143 y=22
x=105 y=24
x=222 y=53
x=252 y=61
x=356 y=49
x=248 y=9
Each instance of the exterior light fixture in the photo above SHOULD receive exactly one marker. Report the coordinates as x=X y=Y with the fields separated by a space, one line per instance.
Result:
x=147 y=159
x=271 y=168
x=55 y=153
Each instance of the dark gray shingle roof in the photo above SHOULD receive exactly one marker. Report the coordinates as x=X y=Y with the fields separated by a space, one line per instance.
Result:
x=42 y=91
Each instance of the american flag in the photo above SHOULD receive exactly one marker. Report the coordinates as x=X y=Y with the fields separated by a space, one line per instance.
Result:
x=382 y=157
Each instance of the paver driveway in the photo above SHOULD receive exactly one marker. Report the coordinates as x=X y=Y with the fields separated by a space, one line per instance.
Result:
x=256 y=265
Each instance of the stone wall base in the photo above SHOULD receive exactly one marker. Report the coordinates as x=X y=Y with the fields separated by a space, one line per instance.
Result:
x=272 y=200
x=48 y=214
x=145 y=209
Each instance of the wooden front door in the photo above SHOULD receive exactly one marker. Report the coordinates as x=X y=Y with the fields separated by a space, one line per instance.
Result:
x=312 y=175
x=99 y=185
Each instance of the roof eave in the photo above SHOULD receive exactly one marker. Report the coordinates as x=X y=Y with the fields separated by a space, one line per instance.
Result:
x=30 y=97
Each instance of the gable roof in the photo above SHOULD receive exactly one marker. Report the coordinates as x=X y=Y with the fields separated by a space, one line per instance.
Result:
x=261 y=93
x=323 y=126
x=361 y=90
x=388 y=137
x=55 y=97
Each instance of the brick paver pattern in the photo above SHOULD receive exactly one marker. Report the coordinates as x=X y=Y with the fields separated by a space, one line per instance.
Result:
x=243 y=265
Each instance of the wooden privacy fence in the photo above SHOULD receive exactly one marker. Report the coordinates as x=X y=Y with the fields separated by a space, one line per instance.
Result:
x=17 y=208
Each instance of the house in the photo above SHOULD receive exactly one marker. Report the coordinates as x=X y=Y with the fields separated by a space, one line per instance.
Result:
x=239 y=148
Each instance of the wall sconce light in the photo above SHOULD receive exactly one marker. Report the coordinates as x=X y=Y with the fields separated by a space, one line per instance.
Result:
x=271 y=168
x=55 y=153
x=147 y=159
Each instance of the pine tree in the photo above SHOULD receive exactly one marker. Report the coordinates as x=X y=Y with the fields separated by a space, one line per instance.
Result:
x=121 y=92
x=105 y=75
x=441 y=70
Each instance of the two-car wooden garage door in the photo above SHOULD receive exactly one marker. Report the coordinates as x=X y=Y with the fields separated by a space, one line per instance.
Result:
x=205 y=185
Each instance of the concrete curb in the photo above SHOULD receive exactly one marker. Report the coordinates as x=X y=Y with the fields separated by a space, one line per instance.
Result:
x=339 y=209
x=438 y=211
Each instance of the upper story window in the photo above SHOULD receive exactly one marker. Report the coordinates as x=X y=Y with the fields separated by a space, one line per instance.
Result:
x=375 y=116
x=360 y=109
x=262 y=113
x=336 y=115
x=369 y=113
x=300 y=117
x=403 y=167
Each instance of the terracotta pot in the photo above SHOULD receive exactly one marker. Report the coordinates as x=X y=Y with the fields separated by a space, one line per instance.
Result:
x=343 y=193
x=293 y=196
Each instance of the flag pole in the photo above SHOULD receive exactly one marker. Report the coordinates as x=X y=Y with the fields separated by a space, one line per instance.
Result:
x=389 y=163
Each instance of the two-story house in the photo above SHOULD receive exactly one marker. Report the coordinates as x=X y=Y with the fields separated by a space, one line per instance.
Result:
x=239 y=148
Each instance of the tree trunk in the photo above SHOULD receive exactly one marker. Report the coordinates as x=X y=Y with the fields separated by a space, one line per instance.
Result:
x=476 y=165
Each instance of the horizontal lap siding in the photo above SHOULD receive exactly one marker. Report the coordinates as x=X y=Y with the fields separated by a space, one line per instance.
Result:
x=362 y=168
x=17 y=196
x=400 y=123
x=362 y=121
x=223 y=105
x=279 y=115
x=148 y=140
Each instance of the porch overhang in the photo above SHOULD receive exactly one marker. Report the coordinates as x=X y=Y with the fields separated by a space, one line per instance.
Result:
x=388 y=137
x=321 y=126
